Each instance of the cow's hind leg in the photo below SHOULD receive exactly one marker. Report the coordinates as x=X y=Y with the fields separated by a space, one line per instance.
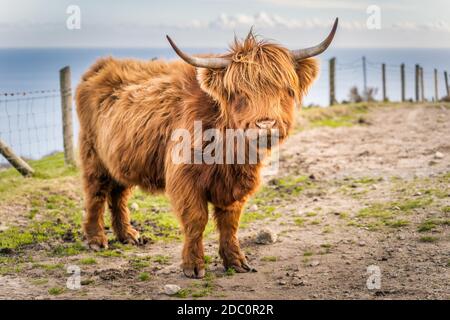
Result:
x=227 y=220
x=96 y=182
x=120 y=215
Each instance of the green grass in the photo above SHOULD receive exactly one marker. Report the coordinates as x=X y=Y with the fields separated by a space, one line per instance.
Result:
x=344 y=121
x=49 y=267
x=338 y=116
x=269 y=259
x=183 y=293
x=391 y=214
x=207 y=259
x=144 y=276
x=88 y=261
x=140 y=262
x=431 y=224
x=161 y=259
x=230 y=272
x=428 y=239
x=109 y=253
x=39 y=282
x=56 y=291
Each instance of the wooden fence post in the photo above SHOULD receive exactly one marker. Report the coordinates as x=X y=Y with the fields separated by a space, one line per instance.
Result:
x=422 y=88
x=446 y=83
x=417 y=82
x=15 y=160
x=436 y=91
x=383 y=78
x=332 y=65
x=66 y=107
x=402 y=78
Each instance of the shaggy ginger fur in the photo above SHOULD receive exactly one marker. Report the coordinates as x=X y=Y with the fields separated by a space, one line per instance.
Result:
x=128 y=110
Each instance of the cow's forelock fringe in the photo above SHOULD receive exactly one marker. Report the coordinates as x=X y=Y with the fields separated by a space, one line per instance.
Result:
x=259 y=67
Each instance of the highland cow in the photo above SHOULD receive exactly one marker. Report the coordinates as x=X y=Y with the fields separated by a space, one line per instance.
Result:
x=129 y=109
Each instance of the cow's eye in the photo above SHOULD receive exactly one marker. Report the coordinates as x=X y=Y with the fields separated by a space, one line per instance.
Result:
x=291 y=93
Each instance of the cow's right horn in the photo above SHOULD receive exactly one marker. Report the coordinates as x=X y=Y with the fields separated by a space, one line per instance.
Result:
x=210 y=63
x=318 y=49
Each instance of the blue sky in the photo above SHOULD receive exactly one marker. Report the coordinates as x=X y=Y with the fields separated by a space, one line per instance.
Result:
x=213 y=23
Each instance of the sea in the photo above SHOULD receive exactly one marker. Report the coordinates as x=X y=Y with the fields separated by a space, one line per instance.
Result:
x=30 y=119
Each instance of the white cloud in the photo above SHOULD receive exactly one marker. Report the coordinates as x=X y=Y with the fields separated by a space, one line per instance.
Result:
x=264 y=20
x=440 y=25
x=324 y=4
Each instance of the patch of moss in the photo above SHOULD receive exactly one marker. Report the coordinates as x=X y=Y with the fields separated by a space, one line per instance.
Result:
x=397 y=223
x=408 y=205
x=428 y=239
x=140 y=262
x=183 y=293
x=68 y=249
x=109 y=253
x=230 y=272
x=144 y=276
x=88 y=261
x=308 y=253
x=39 y=282
x=56 y=291
x=269 y=259
x=299 y=221
x=49 y=267
x=161 y=259
x=431 y=224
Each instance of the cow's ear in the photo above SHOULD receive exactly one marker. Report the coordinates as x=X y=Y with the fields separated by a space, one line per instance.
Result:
x=307 y=71
x=211 y=82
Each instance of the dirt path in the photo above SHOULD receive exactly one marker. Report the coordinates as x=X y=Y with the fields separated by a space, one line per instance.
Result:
x=374 y=195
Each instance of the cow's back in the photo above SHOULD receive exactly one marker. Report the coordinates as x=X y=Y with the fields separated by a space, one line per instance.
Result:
x=127 y=110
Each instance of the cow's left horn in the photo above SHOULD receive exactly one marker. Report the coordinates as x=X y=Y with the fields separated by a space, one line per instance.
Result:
x=210 y=63
x=314 y=51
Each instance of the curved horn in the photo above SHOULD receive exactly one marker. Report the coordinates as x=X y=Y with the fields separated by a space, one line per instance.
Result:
x=314 y=51
x=210 y=63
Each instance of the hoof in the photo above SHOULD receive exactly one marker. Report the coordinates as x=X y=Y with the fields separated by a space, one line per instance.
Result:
x=97 y=243
x=194 y=273
x=131 y=236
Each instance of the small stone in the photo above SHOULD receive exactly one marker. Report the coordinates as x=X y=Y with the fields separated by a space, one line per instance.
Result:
x=266 y=236
x=134 y=206
x=171 y=289
x=282 y=283
x=253 y=207
x=298 y=282
x=361 y=243
x=314 y=263
x=438 y=155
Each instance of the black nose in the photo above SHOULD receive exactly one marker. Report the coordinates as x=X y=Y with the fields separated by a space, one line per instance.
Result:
x=265 y=124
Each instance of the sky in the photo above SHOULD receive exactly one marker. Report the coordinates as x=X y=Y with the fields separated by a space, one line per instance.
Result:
x=214 y=23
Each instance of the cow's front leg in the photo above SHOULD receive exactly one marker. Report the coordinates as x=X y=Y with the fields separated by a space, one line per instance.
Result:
x=227 y=219
x=194 y=219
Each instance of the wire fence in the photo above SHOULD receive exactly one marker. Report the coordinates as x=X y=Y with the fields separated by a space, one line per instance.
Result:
x=369 y=75
x=31 y=123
